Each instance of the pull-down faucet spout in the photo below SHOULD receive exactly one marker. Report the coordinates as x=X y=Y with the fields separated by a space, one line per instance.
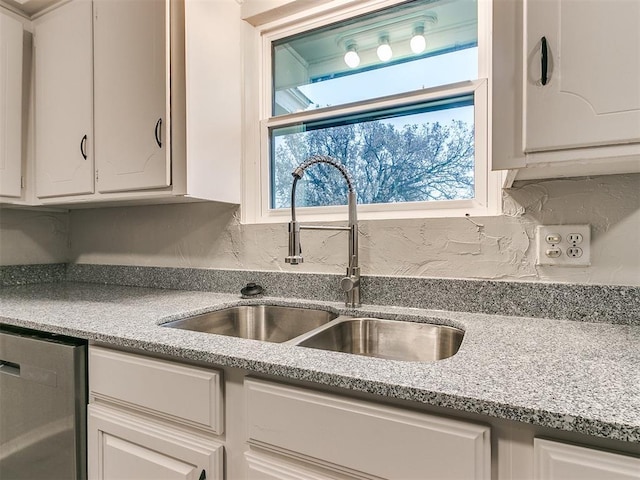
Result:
x=350 y=284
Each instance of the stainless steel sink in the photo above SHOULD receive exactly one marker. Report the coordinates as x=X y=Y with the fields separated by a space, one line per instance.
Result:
x=306 y=327
x=390 y=339
x=258 y=322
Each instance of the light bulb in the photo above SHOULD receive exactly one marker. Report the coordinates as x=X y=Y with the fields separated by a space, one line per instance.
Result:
x=418 y=43
x=384 y=49
x=351 y=58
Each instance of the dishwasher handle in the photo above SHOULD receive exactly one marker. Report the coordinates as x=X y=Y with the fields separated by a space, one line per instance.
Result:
x=29 y=373
x=10 y=368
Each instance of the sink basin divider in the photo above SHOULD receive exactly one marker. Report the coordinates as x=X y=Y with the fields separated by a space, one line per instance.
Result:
x=321 y=328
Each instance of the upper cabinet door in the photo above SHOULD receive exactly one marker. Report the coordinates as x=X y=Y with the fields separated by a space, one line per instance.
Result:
x=64 y=101
x=11 y=51
x=592 y=91
x=131 y=97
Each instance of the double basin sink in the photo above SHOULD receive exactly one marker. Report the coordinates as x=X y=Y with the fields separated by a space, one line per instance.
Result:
x=374 y=337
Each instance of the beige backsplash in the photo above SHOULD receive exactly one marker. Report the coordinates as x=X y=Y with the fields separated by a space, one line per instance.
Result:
x=31 y=237
x=210 y=235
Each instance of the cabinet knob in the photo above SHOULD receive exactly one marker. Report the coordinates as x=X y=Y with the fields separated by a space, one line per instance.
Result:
x=349 y=283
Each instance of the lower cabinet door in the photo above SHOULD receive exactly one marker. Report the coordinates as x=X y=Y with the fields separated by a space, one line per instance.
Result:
x=364 y=439
x=561 y=461
x=267 y=467
x=123 y=446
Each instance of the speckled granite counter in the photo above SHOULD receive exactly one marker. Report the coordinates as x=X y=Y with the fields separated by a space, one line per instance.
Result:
x=574 y=376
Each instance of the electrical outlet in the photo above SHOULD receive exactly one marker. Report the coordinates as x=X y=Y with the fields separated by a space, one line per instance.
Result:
x=564 y=245
x=574 y=252
x=575 y=238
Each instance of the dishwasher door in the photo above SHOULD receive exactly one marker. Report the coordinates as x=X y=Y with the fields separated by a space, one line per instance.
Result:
x=43 y=400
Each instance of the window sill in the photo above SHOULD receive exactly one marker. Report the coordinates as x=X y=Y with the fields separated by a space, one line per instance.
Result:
x=454 y=209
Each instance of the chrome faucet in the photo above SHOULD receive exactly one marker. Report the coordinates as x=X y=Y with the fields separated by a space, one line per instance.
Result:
x=350 y=284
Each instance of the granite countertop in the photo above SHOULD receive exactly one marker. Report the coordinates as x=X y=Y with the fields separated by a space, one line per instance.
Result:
x=575 y=376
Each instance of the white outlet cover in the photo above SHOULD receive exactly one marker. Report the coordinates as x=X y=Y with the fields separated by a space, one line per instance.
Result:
x=563 y=231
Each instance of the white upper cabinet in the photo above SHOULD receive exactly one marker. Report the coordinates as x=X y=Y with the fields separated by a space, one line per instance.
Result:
x=581 y=116
x=11 y=56
x=131 y=91
x=166 y=95
x=589 y=92
x=213 y=52
x=64 y=101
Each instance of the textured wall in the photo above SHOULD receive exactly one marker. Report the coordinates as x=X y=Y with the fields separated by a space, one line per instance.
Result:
x=29 y=237
x=210 y=235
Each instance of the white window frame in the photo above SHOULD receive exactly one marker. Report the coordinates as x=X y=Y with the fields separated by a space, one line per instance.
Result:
x=259 y=119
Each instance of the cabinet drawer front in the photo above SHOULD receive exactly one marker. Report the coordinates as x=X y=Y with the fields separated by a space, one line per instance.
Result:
x=365 y=437
x=186 y=394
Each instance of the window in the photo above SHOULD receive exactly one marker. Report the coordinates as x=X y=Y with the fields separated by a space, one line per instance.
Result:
x=398 y=95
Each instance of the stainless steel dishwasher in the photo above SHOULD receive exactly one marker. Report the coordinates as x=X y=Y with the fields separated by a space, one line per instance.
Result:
x=43 y=401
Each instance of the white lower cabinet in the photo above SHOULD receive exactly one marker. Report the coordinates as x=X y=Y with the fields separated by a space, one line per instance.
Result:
x=362 y=439
x=123 y=446
x=262 y=466
x=561 y=461
x=153 y=419
x=157 y=419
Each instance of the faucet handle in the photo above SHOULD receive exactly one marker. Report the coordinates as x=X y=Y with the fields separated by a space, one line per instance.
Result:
x=349 y=283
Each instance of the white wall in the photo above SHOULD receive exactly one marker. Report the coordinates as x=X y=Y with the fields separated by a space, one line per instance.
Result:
x=31 y=237
x=210 y=235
